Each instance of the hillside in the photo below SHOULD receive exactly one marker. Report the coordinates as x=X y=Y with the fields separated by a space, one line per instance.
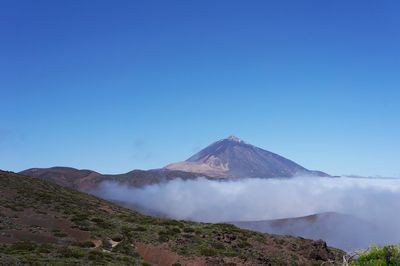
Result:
x=234 y=158
x=44 y=223
x=85 y=180
x=334 y=228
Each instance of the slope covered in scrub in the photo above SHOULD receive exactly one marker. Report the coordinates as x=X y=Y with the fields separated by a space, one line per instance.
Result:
x=45 y=223
x=382 y=256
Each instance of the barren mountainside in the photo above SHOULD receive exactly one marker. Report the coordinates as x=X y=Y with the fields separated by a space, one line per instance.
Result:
x=233 y=158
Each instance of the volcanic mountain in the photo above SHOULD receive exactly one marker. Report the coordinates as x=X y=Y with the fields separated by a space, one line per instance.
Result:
x=234 y=158
x=226 y=158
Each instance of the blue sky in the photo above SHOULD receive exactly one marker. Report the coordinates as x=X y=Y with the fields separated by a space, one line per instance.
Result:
x=118 y=85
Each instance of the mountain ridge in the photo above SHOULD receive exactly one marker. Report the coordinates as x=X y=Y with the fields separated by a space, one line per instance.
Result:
x=229 y=158
x=85 y=180
x=332 y=227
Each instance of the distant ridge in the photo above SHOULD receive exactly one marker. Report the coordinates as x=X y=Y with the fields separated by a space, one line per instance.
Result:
x=87 y=180
x=332 y=227
x=65 y=176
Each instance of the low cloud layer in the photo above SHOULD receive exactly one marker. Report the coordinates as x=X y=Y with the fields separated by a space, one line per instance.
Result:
x=377 y=201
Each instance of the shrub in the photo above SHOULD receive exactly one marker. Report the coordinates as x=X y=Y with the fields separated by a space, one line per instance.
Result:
x=95 y=255
x=97 y=220
x=217 y=245
x=384 y=256
x=127 y=232
x=244 y=244
x=168 y=233
x=101 y=223
x=59 y=234
x=175 y=230
x=226 y=227
x=86 y=244
x=162 y=237
x=188 y=230
x=125 y=247
x=24 y=246
x=171 y=223
x=45 y=248
x=79 y=217
x=208 y=252
x=140 y=229
x=106 y=244
x=67 y=252
x=117 y=238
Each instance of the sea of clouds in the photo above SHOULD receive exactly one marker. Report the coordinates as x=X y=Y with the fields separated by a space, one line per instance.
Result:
x=374 y=200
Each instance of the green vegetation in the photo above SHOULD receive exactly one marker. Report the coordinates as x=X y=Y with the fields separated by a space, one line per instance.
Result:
x=379 y=256
x=70 y=227
x=27 y=252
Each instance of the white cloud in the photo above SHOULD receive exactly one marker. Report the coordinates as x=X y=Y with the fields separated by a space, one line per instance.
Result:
x=375 y=200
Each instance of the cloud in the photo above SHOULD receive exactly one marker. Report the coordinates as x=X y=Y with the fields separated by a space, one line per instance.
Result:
x=374 y=200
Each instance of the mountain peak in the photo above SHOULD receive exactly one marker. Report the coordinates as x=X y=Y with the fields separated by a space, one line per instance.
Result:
x=234 y=138
x=233 y=158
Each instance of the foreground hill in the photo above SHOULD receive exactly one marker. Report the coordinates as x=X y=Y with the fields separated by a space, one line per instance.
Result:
x=43 y=223
x=233 y=158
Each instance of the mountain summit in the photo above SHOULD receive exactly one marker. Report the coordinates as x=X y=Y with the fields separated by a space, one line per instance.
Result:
x=234 y=138
x=234 y=158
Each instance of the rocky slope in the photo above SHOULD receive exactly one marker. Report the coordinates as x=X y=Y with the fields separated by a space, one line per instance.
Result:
x=233 y=158
x=43 y=223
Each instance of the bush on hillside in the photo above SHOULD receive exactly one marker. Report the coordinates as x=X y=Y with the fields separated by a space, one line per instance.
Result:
x=382 y=256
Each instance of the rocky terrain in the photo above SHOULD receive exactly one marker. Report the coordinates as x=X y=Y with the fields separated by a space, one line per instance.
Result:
x=44 y=223
x=234 y=158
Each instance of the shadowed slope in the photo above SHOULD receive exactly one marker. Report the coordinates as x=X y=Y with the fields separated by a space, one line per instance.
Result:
x=340 y=230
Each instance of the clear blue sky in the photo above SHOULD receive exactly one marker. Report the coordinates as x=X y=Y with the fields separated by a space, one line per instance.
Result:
x=118 y=85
